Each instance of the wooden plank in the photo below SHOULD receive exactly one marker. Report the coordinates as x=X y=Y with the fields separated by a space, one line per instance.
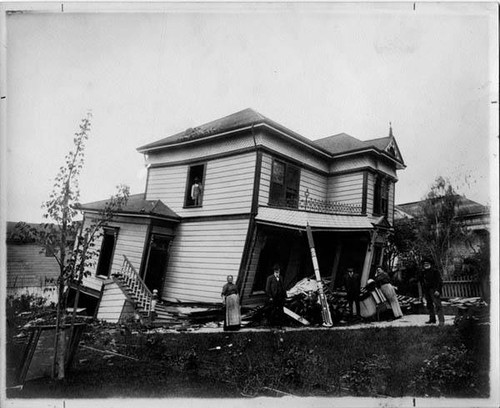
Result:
x=295 y=316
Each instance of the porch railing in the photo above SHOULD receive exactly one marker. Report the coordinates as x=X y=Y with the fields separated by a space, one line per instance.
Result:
x=330 y=207
x=319 y=206
x=463 y=286
x=139 y=292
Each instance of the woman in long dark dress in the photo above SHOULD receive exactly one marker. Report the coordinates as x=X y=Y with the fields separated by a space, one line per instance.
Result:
x=231 y=299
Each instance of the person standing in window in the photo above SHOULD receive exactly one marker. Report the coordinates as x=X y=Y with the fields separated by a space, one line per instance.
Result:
x=231 y=299
x=196 y=191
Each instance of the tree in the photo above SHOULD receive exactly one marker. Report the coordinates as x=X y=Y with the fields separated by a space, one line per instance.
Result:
x=73 y=256
x=438 y=227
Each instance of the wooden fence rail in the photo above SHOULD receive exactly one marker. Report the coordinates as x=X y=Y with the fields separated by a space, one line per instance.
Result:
x=463 y=286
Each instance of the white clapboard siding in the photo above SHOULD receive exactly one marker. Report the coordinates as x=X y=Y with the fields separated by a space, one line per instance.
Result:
x=215 y=147
x=346 y=188
x=129 y=241
x=315 y=183
x=370 y=191
x=112 y=303
x=198 y=266
x=265 y=179
x=28 y=267
x=227 y=188
x=351 y=162
x=299 y=153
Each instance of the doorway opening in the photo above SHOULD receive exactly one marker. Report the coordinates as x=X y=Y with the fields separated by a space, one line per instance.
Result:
x=156 y=261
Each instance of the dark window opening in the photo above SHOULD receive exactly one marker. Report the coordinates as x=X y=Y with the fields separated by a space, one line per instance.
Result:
x=381 y=197
x=85 y=301
x=285 y=181
x=194 y=188
x=106 y=254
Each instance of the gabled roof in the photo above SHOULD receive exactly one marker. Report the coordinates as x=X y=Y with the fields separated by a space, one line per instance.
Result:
x=343 y=143
x=239 y=120
x=136 y=204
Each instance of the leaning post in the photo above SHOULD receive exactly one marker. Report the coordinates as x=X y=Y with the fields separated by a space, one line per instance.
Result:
x=325 y=309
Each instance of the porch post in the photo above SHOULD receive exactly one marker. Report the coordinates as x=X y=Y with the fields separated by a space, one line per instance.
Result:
x=368 y=258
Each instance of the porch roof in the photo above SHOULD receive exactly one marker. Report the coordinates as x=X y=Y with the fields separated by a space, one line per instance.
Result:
x=136 y=205
x=318 y=221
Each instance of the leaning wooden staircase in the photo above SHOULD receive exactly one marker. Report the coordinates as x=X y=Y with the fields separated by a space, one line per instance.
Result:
x=144 y=301
x=133 y=285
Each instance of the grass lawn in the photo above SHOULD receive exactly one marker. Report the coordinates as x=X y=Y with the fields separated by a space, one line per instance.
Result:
x=374 y=362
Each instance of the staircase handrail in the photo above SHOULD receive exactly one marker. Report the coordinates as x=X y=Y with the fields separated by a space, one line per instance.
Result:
x=129 y=271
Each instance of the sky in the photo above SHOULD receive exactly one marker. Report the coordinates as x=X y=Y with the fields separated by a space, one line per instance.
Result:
x=318 y=69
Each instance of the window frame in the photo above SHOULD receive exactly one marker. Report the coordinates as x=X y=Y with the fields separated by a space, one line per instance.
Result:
x=286 y=188
x=189 y=182
x=107 y=231
x=381 y=195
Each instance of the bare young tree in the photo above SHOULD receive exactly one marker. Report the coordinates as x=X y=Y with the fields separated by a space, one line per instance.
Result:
x=73 y=256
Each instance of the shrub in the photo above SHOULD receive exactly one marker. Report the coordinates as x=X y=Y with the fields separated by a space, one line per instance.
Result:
x=366 y=377
x=449 y=373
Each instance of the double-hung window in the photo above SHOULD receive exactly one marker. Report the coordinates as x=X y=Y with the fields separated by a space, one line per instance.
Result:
x=285 y=181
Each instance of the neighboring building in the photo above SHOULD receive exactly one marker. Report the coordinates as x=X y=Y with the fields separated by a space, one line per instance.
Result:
x=234 y=196
x=30 y=269
x=474 y=216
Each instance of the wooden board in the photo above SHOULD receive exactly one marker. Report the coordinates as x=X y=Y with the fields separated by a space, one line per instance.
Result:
x=295 y=316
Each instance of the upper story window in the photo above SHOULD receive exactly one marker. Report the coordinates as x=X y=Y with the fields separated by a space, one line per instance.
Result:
x=285 y=181
x=194 y=186
x=381 y=196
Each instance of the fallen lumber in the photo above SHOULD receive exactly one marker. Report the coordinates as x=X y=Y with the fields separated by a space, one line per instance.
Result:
x=295 y=316
x=110 y=352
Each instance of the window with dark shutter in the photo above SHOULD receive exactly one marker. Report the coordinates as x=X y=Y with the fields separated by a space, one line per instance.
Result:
x=285 y=181
x=381 y=196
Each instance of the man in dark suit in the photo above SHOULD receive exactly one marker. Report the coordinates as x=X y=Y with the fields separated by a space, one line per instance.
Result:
x=353 y=286
x=432 y=285
x=276 y=293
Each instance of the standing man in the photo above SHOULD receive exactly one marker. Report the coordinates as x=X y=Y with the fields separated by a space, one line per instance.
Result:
x=196 y=191
x=275 y=291
x=432 y=286
x=353 y=286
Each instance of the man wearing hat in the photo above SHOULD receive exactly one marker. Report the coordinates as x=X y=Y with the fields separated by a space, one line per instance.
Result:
x=353 y=286
x=275 y=290
x=432 y=286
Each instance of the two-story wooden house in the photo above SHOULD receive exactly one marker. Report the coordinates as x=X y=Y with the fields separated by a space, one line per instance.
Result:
x=234 y=196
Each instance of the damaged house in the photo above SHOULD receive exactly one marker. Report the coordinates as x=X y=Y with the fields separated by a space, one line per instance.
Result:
x=234 y=196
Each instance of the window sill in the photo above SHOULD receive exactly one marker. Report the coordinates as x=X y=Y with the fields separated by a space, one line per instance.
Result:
x=186 y=207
